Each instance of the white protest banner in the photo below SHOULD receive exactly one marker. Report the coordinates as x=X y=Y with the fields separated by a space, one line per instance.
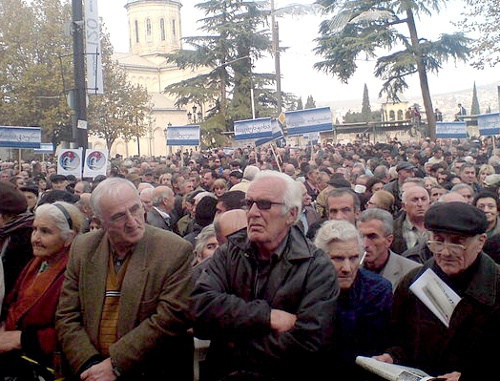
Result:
x=183 y=136
x=45 y=148
x=277 y=133
x=95 y=84
x=488 y=124
x=310 y=120
x=70 y=162
x=451 y=130
x=20 y=137
x=95 y=163
x=253 y=129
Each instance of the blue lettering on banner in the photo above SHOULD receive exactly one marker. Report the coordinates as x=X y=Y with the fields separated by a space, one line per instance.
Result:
x=488 y=124
x=183 y=136
x=20 y=137
x=451 y=130
x=253 y=129
x=307 y=121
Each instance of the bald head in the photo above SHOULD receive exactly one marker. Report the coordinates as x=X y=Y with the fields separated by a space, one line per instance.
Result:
x=452 y=197
x=228 y=223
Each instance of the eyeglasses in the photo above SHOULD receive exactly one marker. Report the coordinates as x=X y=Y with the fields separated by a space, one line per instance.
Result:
x=453 y=248
x=261 y=204
x=120 y=218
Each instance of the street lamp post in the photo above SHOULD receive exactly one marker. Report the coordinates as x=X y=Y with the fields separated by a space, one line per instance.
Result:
x=166 y=128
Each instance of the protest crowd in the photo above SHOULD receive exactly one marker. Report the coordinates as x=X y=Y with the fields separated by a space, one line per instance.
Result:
x=254 y=263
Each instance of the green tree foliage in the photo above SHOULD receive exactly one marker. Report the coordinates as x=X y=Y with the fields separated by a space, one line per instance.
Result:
x=366 y=109
x=236 y=34
x=482 y=18
x=123 y=110
x=35 y=66
x=368 y=27
x=310 y=103
x=300 y=105
x=474 y=108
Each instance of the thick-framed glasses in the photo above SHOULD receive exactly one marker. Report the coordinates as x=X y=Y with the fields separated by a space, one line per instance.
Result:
x=453 y=248
x=121 y=218
x=261 y=204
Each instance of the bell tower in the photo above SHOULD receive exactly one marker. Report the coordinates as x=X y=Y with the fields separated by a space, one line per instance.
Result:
x=154 y=26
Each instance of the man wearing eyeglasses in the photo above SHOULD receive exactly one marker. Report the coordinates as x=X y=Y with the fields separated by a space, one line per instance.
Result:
x=463 y=349
x=123 y=311
x=267 y=297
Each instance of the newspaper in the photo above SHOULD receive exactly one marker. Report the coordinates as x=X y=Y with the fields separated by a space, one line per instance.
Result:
x=393 y=372
x=436 y=295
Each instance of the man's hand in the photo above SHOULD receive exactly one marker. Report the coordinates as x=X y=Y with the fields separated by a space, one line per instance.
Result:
x=453 y=376
x=9 y=341
x=282 y=321
x=385 y=357
x=100 y=372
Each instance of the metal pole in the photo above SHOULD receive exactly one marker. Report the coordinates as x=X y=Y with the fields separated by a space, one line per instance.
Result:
x=80 y=97
x=276 y=50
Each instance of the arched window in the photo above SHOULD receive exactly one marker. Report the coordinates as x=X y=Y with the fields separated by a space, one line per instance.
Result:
x=162 y=29
x=173 y=27
x=400 y=114
x=148 y=27
x=392 y=115
x=136 y=31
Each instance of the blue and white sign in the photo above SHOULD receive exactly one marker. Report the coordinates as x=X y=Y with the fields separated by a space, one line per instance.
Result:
x=20 y=137
x=95 y=163
x=45 y=148
x=183 y=136
x=488 y=124
x=306 y=121
x=451 y=130
x=70 y=162
x=277 y=134
x=253 y=129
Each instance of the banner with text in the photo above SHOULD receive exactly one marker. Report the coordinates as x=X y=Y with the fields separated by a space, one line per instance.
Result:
x=277 y=134
x=70 y=162
x=95 y=163
x=95 y=84
x=20 y=137
x=488 y=124
x=451 y=130
x=253 y=129
x=310 y=120
x=183 y=136
x=45 y=148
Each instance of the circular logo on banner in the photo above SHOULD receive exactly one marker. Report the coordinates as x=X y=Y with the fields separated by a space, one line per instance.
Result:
x=69 y=161
x=96 y=160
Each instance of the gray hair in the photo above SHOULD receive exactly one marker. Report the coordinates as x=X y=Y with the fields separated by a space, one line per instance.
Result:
x=459 y=186
x=112 y=187
x=292 y=197
x=202 y=238
x=332 y=231
x=250 y=172
x=378 y=214
x=55 y=212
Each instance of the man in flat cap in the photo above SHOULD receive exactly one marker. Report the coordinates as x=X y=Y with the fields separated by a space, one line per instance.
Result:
x=404 y=170
x=463 y=349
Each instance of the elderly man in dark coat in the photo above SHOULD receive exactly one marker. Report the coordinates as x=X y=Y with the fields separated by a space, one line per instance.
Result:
x=460 y=347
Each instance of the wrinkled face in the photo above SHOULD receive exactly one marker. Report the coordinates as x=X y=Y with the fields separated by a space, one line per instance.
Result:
x=345 y=257
x=468 y=175
x=342 y=208
x=376 y=243
x=46 y=238
x=489 y=206
x=123 y=217
x=147 y=200
x=454 y=260
x=268 y=227
x=416 y=202
x=209 y=249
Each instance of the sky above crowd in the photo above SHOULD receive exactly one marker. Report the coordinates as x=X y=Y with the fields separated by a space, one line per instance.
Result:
x=298 y=32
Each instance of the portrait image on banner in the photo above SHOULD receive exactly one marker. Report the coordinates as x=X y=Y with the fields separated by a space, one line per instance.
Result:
x=69 y=162
x=95 y=163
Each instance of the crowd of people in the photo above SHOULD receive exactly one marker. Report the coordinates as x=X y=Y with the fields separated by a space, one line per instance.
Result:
x=262 y=263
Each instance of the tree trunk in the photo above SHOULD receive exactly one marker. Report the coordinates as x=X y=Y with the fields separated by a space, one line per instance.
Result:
x=422 y=73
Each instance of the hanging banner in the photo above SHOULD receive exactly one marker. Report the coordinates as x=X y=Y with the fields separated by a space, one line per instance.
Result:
x=451 y=130
x=45 y=148
x=95 y=84
x=488 y=124
x=310 y=120
x=20 y=137
x=95 y=163
x=183 y=136
x=277 y=134
x=253 y=129
x=69 y=162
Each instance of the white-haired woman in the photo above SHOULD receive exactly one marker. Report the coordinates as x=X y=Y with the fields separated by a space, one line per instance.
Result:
x=28 y=311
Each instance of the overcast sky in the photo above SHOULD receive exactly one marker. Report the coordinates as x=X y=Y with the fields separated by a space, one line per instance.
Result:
x=298 y=32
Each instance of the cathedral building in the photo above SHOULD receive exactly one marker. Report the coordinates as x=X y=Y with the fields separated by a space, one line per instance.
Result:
x=154 y=28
